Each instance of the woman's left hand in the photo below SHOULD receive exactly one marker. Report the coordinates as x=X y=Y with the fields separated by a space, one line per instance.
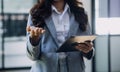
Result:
x=85 y=47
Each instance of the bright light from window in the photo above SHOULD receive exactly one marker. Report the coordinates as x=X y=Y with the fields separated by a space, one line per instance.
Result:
x=107 y=26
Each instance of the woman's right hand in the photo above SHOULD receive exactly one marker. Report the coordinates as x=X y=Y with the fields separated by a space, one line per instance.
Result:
x=35 y=33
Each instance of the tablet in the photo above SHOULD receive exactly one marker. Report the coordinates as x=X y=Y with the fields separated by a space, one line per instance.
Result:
x=69 y=44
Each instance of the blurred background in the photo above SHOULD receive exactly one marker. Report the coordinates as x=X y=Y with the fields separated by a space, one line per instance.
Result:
x=104 y=18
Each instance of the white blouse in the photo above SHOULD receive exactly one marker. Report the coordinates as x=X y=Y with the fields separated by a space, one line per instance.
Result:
x=61 y=22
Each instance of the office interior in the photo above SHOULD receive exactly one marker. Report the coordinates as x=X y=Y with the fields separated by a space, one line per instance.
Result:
x=104 y=18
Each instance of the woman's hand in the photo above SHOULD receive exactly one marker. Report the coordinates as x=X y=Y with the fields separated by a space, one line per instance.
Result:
x=35 y=33
x=85 y=47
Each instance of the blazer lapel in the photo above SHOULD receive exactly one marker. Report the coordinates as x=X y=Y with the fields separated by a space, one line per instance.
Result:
x=51 y=27
x=72 y=31
x=73 y=26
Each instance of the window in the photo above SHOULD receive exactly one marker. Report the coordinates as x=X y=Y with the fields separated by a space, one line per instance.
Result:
x=13 y=43
x=107 y=17
x=107 y=23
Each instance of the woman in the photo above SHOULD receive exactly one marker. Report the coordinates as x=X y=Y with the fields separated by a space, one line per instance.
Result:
x=50 y=23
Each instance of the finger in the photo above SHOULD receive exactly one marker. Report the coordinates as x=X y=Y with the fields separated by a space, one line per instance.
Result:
x=77 y=47
x=89 y=44
x=41 y=30
x=28 y=29
x=36 y=30
x=83 y=50
x=32 y=33
x=86 y=48
x=83 y=47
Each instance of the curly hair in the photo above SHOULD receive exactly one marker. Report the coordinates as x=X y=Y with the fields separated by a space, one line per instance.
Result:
x=42 y=10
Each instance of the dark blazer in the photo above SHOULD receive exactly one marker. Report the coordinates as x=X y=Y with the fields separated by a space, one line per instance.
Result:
x=48 y=60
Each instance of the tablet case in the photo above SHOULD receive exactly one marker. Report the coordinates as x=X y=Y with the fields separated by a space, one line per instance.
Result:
x=69 y=44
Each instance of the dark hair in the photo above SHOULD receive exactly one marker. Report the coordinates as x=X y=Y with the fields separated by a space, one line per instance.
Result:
x=42 y=10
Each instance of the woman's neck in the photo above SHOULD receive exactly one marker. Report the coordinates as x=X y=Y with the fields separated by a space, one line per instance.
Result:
x=59 y=5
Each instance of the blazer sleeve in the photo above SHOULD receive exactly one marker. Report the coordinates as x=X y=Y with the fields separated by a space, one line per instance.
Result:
x=33 y=52
x=90 y=54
